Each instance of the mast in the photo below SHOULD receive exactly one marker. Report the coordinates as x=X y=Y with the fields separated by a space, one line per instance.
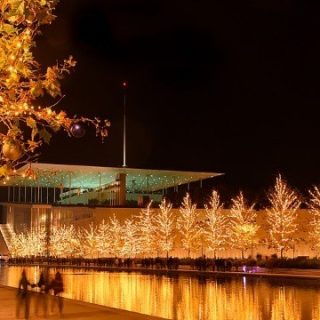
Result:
x=124 y=86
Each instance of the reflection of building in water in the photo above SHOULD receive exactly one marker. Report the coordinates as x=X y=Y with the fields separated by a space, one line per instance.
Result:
x=211 y=299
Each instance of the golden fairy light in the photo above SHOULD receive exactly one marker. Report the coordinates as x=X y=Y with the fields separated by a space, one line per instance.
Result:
x=216 y=224
x=131 y=242
x=282 y=216
x=164 y=222
x=146 y=230
x=26 y=123
x=104 y=239
x=243 y=224
x=90 y=241
x=187 y=225
x=314 y=209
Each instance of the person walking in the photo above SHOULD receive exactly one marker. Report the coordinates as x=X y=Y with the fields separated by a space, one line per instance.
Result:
x=57 y=287
x=42 y=298
x=23 y=296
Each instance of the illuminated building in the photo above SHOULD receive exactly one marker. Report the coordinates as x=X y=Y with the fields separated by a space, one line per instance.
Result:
x=51 y=194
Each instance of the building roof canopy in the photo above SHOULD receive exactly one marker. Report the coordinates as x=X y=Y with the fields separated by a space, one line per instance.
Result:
x=91 y=177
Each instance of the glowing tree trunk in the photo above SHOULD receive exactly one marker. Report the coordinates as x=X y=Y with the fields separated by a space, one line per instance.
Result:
x=187 y=225
x=243 y=225
x=131 y=242
x=282 y=216
x=216 y=224
x=314 y=209
x=28 y=244
x=76 y=243
x=18 y=245
x=103 y=238
x=146 y=231
x=64 y=242
x=164 y=223
x=116 y=234
x=37 y=242
x=26 y=122
x=90 y=242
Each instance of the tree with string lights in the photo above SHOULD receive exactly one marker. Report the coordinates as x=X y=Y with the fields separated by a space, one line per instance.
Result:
x=26 y=122
x=17 y=245
x=243 y=224
x=131 y=242
x=90 y=241
x=146 y=230
x=64 y=241
x=116 y=232
x=282 y=216
x=187 y=225
x=216 y=224
x=164 y=223
x=314 y=209
x=37 y=242
x=28 y=244
x=104 y=238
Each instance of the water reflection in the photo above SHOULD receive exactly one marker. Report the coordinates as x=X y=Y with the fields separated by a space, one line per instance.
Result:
x=184 y=298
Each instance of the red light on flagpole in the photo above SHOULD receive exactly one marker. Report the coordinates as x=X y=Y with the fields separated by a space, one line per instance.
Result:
x=124 y=84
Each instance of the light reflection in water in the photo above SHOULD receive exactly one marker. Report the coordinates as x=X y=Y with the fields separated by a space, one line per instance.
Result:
x=185 y=298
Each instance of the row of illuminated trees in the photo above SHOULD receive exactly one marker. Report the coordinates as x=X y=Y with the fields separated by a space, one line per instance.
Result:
x=159 y=232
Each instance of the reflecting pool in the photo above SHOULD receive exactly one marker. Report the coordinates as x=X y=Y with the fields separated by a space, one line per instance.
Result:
x=187 y=298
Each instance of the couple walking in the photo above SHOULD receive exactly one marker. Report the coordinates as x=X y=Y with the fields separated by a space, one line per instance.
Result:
x=24 y=295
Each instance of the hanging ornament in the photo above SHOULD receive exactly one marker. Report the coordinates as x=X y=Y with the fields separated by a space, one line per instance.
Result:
x=77 y=130
x=30 y=174
x=11 y=150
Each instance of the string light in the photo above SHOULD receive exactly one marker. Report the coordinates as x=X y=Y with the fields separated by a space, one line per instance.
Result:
x=216 y=224
x=146 y=230
x=243 y=224
x=165 y=225
x=314 y=209
x=282 y=215
x=187 y=225
x=22 y=82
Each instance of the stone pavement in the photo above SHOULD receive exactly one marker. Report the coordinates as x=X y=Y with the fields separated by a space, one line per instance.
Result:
x=72 y=309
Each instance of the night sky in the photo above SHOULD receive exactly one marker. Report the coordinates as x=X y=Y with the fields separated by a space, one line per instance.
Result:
x=224 y=86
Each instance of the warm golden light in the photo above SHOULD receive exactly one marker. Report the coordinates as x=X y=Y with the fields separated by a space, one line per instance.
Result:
x=183 y=298
x=282 y=216
x=22 y=81
x=243 y=224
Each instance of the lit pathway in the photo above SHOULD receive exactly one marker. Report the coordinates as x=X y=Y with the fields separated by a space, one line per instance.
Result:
x=72 y=309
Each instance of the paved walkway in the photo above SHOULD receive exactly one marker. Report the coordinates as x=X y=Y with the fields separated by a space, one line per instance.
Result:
x=72 y=309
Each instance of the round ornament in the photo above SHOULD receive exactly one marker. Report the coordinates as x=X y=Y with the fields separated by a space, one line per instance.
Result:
x=12 y=150
x=77 y=130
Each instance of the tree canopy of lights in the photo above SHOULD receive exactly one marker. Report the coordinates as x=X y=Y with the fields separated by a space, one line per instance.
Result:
x=243 y=224
x=146 y=230
x=32 y=243
x=117 y=239
x=104 y=238
x=314 y=209
x=216 y=224
x=131 y=241
x=187 y=225
x=282 y=215
x=26 y=121
x=164 y=223
x=64 y=241
x=90 y=241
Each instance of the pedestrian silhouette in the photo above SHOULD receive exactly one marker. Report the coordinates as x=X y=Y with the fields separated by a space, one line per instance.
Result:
x=42 y=298
x=57 y=286
x=23 y=296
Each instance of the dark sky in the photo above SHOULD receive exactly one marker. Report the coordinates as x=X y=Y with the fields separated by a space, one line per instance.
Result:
x=226 y=86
